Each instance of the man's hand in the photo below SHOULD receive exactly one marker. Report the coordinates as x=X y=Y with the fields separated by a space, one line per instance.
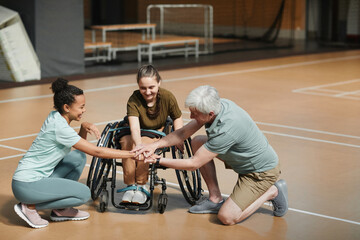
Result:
x=152 y=158
x=180 y=147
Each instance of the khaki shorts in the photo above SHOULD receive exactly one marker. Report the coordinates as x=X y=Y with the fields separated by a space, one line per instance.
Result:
x=251 y=186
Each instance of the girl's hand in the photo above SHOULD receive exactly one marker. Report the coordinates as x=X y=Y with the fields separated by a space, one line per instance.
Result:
x=91 y=128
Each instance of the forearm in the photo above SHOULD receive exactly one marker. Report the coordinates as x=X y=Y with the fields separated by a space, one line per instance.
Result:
x=171 y=139
x=178 y=123
x=180 y=164
x=103 y=152
x=135 y=130
x=82 y=132
x=86 y=128
x=201 y=157
x=136 y=136
x=179 y=135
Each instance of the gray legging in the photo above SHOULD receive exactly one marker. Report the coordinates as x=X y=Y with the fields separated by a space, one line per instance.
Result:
x=60 y=190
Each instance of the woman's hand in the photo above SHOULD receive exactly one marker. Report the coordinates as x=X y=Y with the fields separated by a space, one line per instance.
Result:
x=152 y=158
x=147 y=150
x=89 y=128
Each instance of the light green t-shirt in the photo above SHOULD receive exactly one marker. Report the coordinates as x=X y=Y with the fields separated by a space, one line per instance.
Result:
x=238 y=141
x=53 y=142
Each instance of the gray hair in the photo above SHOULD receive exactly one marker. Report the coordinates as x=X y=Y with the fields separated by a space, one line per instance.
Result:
x=204 y=99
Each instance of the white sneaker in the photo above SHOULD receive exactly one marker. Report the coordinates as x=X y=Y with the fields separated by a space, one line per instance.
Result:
x=30 y=216
x=140 y=195
x=67 y=214
x=128 y=196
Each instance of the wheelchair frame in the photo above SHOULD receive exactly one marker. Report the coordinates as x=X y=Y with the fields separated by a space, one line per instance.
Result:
x=98 y=177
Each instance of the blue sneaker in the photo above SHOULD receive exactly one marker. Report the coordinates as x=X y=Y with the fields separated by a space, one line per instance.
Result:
x=206 y=206
x=280 y=202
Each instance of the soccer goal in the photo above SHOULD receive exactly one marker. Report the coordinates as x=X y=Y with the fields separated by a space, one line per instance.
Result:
x=184 y=20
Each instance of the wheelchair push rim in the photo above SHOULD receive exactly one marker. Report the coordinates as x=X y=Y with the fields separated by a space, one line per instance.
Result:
x=189 y=181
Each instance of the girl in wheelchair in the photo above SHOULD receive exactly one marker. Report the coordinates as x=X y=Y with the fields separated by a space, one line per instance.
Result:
x=147 y=108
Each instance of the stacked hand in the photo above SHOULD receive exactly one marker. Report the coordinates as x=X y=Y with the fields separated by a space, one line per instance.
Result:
x=145 y=153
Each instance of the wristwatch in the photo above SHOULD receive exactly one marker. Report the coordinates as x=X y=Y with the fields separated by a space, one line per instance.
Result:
x=157 y=163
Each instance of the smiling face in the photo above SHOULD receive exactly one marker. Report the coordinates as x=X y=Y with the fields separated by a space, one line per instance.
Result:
x=75 y=110
x=200 y=117
x=149 y=88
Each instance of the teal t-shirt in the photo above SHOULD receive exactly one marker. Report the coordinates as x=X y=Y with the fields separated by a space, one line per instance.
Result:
x=53 y=142
x=238 y=141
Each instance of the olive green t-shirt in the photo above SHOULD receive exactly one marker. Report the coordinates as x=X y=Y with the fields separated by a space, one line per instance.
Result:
x=137 y=107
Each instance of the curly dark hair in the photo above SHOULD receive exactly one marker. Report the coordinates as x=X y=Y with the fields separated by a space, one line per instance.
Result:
x=64 y=94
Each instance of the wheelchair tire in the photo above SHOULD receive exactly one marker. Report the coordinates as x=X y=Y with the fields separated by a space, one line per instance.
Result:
x=99 y=167
x=102 y=207
x=189 y=181
x=99 y=178
x=162 y=203
x=104 y=200
x=95 y=159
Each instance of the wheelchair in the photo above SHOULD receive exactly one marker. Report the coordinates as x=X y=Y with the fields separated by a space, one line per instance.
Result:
x=102 y=172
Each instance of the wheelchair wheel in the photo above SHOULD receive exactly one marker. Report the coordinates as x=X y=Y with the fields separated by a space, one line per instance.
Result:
x=100 y=176
x=162 y=202
x=104 y=200
x=189 y=181
x=99 y=167
x=94 y=160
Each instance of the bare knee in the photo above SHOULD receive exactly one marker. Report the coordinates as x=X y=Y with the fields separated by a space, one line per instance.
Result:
x=229 y=213
x=126 y=142
x=226 y=220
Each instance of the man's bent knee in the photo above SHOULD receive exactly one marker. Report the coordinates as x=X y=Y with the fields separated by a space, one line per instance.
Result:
x=229 y=213
x=226 y=220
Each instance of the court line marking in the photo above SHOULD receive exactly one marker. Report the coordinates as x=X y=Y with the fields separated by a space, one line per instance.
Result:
x=201 y=76
x=13 y=148
x=260 y=123
x=339 y=94
x=35 y=134
x=327 y=95
x=296 y=128
x=269 y=204
x=326 y=85
x=311 y=139
x=12 y=156
x=308 y=130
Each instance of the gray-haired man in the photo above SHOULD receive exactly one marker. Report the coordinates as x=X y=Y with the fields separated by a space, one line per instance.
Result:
x=234 y=138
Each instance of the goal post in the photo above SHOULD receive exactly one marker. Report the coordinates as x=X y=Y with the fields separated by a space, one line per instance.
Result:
x=184 y=20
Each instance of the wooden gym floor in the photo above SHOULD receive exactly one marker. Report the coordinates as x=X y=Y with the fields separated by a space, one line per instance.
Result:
x=307 y=106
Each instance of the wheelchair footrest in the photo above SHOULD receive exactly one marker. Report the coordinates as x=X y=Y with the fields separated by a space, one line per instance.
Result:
x=133 y=206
